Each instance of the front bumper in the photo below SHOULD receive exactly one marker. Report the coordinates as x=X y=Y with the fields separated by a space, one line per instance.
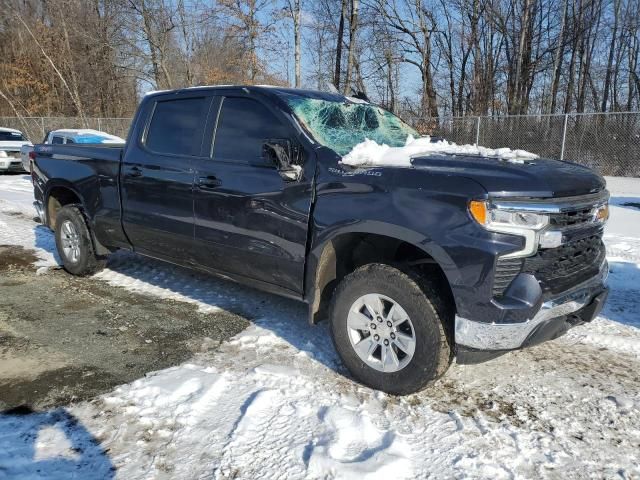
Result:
x=11 y=164
x=580 y=303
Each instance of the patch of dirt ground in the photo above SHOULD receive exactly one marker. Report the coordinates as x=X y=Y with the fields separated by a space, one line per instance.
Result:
x=64 y=338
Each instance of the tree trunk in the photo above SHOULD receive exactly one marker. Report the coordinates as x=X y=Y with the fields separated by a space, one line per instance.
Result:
x=297 y=42
x=353 y=29
x=572 y=63
x=336 y=76
x=612 y=46
x=558 y=60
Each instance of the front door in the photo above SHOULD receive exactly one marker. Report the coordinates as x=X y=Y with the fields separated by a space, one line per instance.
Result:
x=249 y=220
x=157 y=178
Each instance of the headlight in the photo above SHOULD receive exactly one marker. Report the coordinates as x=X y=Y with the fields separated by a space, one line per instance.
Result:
x=524 y=224
x=3 y=154
x=505 y=220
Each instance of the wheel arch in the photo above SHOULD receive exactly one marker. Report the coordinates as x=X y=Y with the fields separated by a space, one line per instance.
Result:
x=61 y=193
x=341 y=251
x=58 y=194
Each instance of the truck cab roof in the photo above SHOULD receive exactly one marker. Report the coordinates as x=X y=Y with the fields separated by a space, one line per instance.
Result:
x=268 y=89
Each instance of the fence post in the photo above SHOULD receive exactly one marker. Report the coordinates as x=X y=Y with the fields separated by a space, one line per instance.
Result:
x=564 y=136
x=99 y=124
x=42 y=126
x=478 y=131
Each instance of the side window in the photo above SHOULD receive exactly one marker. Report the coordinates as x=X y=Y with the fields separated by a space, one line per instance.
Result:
x=70 y=140
x=244 y=125
x=177 y=125
x=57 y=140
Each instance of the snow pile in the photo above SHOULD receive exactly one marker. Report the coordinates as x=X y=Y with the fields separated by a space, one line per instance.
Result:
x=371 y=153
x=16 y=225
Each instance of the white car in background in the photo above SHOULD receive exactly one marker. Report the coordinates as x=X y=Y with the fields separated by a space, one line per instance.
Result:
x=67 y=137
x=11 y=143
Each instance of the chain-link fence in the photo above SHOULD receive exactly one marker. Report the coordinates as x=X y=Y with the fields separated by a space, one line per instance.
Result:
x=607 y=142
x=35 y=128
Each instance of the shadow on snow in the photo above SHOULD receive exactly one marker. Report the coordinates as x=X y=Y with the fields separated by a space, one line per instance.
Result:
x=52 y=445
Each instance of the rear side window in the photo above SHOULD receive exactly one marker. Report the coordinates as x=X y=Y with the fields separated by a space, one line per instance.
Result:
x=177 y=125
x=57 y=140
x=243 y=127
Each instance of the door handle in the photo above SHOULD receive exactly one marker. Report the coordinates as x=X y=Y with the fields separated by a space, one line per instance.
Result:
x=209 y=182
x=135 y=172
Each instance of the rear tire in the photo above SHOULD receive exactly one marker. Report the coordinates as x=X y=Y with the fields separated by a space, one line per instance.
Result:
x=401 y=346
x=74 y=243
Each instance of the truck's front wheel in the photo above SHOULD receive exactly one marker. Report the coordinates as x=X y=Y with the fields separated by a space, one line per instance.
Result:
x=74 y=244
x=389 y=328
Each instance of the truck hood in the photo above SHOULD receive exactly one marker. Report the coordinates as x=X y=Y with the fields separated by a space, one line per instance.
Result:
x=505 y=178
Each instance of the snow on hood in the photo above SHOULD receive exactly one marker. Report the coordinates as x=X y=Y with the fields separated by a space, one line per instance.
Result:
x=371 y=153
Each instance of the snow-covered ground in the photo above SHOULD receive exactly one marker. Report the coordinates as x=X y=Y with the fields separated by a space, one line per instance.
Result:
x=274 y=401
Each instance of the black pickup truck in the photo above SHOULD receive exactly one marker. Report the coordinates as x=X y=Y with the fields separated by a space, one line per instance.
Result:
x=451 y=255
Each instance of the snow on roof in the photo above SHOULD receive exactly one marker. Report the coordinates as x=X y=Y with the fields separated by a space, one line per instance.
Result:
x=81 y=132
x=12 y=130
x=371 y=153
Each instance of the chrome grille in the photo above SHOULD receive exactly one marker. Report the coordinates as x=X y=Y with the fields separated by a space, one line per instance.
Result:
x=12 y=154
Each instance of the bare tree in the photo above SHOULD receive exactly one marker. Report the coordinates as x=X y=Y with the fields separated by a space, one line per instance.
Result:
x=294 y=11
x=353 y=29
x=339 y=42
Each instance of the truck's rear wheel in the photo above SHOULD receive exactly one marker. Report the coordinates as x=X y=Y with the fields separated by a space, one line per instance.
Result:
x=389 y=328
x=74 y=244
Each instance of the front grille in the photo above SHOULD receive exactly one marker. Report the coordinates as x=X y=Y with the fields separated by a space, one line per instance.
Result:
x=12 y=154
x=15 y=167
x=571 y=218
x=560 y=268
x=557 y=269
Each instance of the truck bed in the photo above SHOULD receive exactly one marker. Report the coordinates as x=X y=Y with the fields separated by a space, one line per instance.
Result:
x=105 y=152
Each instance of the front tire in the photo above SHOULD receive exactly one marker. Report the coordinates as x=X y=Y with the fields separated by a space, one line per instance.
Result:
x=390 y=329
x=74 y=244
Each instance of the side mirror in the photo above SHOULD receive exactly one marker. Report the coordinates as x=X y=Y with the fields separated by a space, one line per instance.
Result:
x=279 y=151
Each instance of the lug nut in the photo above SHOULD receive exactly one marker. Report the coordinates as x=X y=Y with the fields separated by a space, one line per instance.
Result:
x=373 y=326
x=386 y=342
x=379 y=319
x=376 y=337
x=393 y=336
x=389 y=324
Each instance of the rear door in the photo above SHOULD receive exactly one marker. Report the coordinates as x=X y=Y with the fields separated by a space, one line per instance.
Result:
x=157 y=176
x=249 y=221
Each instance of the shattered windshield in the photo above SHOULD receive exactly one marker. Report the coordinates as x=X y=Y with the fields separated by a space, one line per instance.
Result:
x=341 y=123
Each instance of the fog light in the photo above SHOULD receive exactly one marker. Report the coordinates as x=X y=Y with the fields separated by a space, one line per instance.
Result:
x=551 y=239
